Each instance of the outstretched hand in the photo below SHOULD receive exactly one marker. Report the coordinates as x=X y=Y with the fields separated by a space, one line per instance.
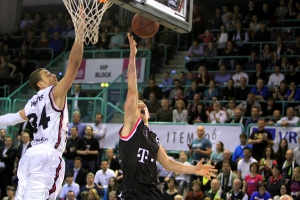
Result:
x=205 y=170
x=132 y=44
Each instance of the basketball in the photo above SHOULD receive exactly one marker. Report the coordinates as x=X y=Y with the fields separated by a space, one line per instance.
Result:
x=144 y=27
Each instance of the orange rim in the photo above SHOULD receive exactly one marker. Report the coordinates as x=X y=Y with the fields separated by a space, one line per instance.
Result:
x=102 y=1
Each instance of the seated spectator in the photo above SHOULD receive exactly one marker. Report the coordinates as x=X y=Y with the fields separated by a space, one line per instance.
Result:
x=259 y=74
x=30 y=41
x=231 y=108
x=70 y=185
x=261 y=192
x=297 y=150
x=193 y=58
x=28 y=28
x=10 y=192
x=56 y=44
x=150 y=45
x=178 y=197
x=68 y=31
x=211 y=91
x=90 y=185
x=281 y=11
x=292 y=76
x=289 y=165
x=7 y=52
x=182 y=180
x=275 y=117
x=24 y=70
x=202 y=78
x=238 y=152
x=37 y=22
x=226 y=158
x=216 y=20
x=177 y=84
x=164 y=114
x=179 y=95
x=251 y=180
x=250 y=12
x=6 y=74
x=167 y=38
x=193 y=105
x=163 y=174
x=260 y=91
x=295 y=50
x=217 y=155
x=180 y=113
x=198 y=116
x=269 y=108
x=266 y=163
x=281 y=152
x=113 y=164
x=78 y=172
x=55 y=27
x=246 y=106
x=166 y=84
x=290 y=118
x=244 y=163
x=93 y=194
x=236 y=192
x=228 y=51
x=265 y=14
x=194 y=90
x=222 y=38
x=112 y=186
x=236 y=10
x=228 y=91
x=238 y=75
x=241 y=92
x=238 y=116
x=102 y=176
x=280 y=93
x=251 y=65
x=275 y=78
x=262 y=35
x=153 y=105
x=215 y=190
x=171 y=192
x=182 y=77
x=226 y=177
x=117 y=40
x=226 y=16
x=294 y=182
x=103 y=42
x=233 y=22
x=275 y=181
x=43 y=42
x=279 y=48
x=195 y=192
x=218 y=115
x=152 y=87
x=293 y=94
x=16 y=31
x=206 y=37
x=283 y=192
x=71 y=195
x=266 y=54
x=209 y=53
x=24 y=52
x=239 y=37
x=26 y=20
x=254 y=26
x=222 y=77
x=284 y=63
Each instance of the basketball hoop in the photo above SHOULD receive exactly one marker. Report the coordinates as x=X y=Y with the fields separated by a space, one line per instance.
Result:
x=94 y=10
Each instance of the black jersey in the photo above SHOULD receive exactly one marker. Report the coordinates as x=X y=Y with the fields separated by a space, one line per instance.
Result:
x=138 y=153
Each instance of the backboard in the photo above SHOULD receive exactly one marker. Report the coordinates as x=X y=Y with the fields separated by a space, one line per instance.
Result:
x=174 y=14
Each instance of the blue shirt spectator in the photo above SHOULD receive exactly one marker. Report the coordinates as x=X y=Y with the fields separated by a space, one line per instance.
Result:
x=239 y=150
x=56 y=44
x=54 y=28
x=211 y=91
x=293 y=94
x=223 y=77
x=167 y=84
x=260 y=91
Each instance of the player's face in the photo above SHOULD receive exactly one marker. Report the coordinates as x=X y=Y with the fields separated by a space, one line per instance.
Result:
x=47 y=78
x=143 y=111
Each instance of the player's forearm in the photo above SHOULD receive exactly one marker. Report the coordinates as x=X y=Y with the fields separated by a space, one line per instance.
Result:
x=75 y=57
x=131 y=74
x=175 y=166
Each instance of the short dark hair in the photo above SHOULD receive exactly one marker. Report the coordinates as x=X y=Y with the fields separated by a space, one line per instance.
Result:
x=78 y=158
x=75 y=127
x=244 y=135
x=69 y=174
x=247 y=148
x=34 y=78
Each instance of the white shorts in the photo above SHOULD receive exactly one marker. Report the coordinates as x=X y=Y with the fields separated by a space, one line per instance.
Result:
x=41 y=173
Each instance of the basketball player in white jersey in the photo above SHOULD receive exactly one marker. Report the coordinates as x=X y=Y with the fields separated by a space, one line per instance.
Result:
x=41 y=168
x=140 y=147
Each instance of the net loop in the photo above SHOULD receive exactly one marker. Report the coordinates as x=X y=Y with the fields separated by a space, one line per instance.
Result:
x=93 y=11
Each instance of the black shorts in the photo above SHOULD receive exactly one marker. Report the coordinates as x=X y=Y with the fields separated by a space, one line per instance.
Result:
x=129 y=191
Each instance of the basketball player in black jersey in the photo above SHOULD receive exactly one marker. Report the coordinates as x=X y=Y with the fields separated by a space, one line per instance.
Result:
x=140 y=147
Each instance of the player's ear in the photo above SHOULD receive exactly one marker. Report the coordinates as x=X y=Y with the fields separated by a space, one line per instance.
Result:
x=40 y=84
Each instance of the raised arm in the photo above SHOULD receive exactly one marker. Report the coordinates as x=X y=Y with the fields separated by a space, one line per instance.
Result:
x=131 y=104
x=75 y=59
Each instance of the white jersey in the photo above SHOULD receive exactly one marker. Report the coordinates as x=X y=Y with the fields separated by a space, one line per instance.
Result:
x=50 y=123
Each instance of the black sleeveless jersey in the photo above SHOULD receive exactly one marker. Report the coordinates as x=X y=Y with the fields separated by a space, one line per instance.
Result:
x=138 y=153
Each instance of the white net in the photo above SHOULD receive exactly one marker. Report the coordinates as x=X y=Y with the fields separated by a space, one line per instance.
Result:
x=93 y=10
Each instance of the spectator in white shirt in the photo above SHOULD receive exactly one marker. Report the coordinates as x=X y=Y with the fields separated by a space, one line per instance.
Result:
x=69 y=186
x=25 y=21
x=102 y=176
x=217 y=115
x=239 y=74
x=244 y=163
x=275 y=78
x=290 y=118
